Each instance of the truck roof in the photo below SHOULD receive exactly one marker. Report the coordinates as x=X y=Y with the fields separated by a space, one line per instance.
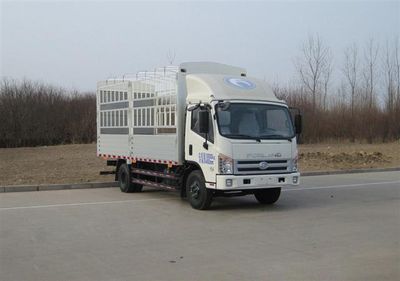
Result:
x=205 y=81
x=208 y=87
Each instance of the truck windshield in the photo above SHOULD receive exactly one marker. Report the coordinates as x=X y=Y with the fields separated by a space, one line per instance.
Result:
x=254 y=121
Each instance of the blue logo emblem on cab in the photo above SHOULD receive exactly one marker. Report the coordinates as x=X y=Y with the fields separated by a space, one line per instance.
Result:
x=239 y=83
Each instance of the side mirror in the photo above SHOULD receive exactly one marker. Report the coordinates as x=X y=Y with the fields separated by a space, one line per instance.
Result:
x=298 y=124
x=203 y=121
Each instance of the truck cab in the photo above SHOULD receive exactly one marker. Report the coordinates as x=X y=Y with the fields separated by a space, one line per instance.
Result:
x=240 y=135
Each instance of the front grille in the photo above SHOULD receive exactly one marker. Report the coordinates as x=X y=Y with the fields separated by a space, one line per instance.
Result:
x=254 y=167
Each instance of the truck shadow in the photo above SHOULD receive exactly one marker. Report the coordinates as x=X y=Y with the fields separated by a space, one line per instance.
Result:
x=287 y=202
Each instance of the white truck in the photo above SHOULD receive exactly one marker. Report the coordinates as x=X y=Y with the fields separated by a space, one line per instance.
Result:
x=203 y=128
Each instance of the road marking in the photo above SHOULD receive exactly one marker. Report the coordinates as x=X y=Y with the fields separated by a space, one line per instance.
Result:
x=81 y=204
x=367 y=184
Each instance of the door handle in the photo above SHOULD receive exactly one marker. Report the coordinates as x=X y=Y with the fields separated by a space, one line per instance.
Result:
x=190 y=149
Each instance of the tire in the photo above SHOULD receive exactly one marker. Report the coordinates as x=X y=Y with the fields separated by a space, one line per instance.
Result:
x=268 y=196
x=199 y=196
x=124 y=180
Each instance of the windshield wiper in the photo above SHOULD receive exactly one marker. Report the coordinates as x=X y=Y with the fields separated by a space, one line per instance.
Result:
x=244 y=136
x=276 y=137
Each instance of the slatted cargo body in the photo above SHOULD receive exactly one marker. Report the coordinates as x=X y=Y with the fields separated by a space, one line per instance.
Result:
x=137 y=117
x=113 y=113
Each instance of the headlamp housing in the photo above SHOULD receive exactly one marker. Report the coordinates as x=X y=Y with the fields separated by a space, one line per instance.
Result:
x=225 y=164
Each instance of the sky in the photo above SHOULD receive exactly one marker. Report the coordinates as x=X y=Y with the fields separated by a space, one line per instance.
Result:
x=74 y=44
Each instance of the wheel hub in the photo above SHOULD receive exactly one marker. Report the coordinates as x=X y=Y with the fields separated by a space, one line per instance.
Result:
x=195 y=190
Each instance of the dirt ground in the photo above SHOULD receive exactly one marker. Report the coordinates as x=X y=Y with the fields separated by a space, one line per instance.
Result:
x=343 y=156
x=79 y=163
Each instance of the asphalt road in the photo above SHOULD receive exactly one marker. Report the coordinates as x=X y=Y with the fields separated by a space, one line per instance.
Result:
x=338 y=227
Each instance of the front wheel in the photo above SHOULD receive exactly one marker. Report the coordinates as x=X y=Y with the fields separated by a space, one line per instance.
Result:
x=199 y=196
x=268 y=196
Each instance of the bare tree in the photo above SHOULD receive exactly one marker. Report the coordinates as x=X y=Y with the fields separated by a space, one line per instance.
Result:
x=391 y=71
x=326 y=77
x=397 y=69
x=351 y=72
x=171 y=56
x=315 y=60
x=371 y=52
x=388 y=65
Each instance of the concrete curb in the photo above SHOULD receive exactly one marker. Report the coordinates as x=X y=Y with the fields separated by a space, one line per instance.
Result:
x=354 y=171
x=42 y=187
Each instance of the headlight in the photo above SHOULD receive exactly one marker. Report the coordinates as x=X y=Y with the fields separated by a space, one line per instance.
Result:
x=294 y=164
x=225 y=164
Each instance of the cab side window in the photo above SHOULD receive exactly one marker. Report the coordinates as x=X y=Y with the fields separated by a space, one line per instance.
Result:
x=194 y=125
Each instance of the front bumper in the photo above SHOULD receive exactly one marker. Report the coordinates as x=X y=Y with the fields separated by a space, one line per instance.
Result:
x=244 y=182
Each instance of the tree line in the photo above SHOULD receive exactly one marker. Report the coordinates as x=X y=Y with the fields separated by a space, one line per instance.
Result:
x=355 y=100
x=33 y=114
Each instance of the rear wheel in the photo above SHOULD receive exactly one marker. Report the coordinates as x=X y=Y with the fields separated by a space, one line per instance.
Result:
x=268 y=196
x=124 y=180
x=198 y=195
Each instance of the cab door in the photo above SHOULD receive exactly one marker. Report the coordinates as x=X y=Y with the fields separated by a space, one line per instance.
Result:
x=197 y=149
